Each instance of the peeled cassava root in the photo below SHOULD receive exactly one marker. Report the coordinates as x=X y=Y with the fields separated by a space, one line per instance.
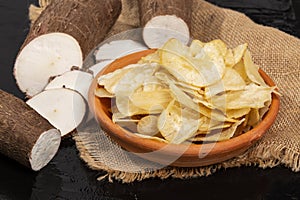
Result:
x=165 y=19
x=25 y=136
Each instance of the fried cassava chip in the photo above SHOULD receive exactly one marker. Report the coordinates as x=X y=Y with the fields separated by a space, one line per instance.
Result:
x=205 y=92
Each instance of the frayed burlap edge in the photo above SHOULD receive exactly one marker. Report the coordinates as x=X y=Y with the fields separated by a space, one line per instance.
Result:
x=259 y=157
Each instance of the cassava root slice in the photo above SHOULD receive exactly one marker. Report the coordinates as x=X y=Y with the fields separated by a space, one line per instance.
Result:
x=165 y=19
x=25 y=136
x=87 y=21
x=77 y=80
x=118 y=48
x=46 y=56
x=99 y=66
x=110 y=51
x=64 y=108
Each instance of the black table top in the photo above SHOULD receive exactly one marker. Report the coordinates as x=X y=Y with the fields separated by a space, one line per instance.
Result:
x=67 y=177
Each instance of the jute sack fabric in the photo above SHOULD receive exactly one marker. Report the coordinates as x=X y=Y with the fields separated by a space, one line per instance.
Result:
x=276 y=52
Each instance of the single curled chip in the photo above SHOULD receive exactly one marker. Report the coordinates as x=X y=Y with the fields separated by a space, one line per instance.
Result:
x=148 y=125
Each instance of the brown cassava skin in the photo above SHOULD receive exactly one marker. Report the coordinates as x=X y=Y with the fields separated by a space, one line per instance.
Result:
x=152 y=8
x=20 y=128
x=88 y=21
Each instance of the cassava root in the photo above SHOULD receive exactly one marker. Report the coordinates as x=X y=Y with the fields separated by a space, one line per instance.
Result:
x=25 y=136
x=87 y=21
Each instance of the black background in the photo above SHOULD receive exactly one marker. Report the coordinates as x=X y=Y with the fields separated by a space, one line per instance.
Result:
x=67 y=177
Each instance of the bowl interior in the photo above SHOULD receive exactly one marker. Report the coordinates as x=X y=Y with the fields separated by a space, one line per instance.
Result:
x=173 y=154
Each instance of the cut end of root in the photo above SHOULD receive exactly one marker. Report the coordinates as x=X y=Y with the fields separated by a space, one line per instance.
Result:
x=164 y=27
x=45 y=149
x=65 y=109
x=45 y=56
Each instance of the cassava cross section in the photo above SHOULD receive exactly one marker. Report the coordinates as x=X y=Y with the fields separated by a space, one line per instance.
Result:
x=165 y=19
x=44 y=57
x=87 y=21
x=25 y=136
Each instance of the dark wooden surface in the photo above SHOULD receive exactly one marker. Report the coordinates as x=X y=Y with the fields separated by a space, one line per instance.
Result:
x=67 y=177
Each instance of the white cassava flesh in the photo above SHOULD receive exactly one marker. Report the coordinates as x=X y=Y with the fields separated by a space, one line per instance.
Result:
x=76 y=80
x=63 y=108
x=45 y=56
x=161 y=28
x=99 y=66
x=44 y=149
x=117 y=49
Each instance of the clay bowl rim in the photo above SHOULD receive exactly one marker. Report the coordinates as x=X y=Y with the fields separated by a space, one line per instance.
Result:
x=136 y=144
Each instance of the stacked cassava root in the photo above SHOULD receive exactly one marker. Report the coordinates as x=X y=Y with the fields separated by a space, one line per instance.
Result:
x=58 y=42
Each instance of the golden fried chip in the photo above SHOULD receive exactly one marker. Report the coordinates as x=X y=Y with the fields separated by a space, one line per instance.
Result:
x=216 y=48
x=253 y=96
x=152 y=84
x=183 y=98
x=135 y=78
x=165 y=77
x=254 y=117
x=127 y=108
x=264 y=110
x=237 y=113
x=176 y=126
x=209 y=71
x=230 y=81
x=238 y=52
x=103 y=93
x=206 y=125
x=219 y=135
x=240 y=69
x=252 y=70
x=117 y=116
x=229 y=58
x=110 y=80
x=152 y=101
x=195 y=71
x=188 y=102
x=196 y=48
x=127 y=120
x=148 y=125
x=188 y=86
x=150 y=58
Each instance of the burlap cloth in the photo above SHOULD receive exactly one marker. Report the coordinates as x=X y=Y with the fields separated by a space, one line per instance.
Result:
x=276 y=52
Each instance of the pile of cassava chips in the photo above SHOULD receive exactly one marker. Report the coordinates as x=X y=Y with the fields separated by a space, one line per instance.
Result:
x=204 y=92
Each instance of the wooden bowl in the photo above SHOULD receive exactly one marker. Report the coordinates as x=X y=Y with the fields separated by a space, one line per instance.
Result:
x=176 y=154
